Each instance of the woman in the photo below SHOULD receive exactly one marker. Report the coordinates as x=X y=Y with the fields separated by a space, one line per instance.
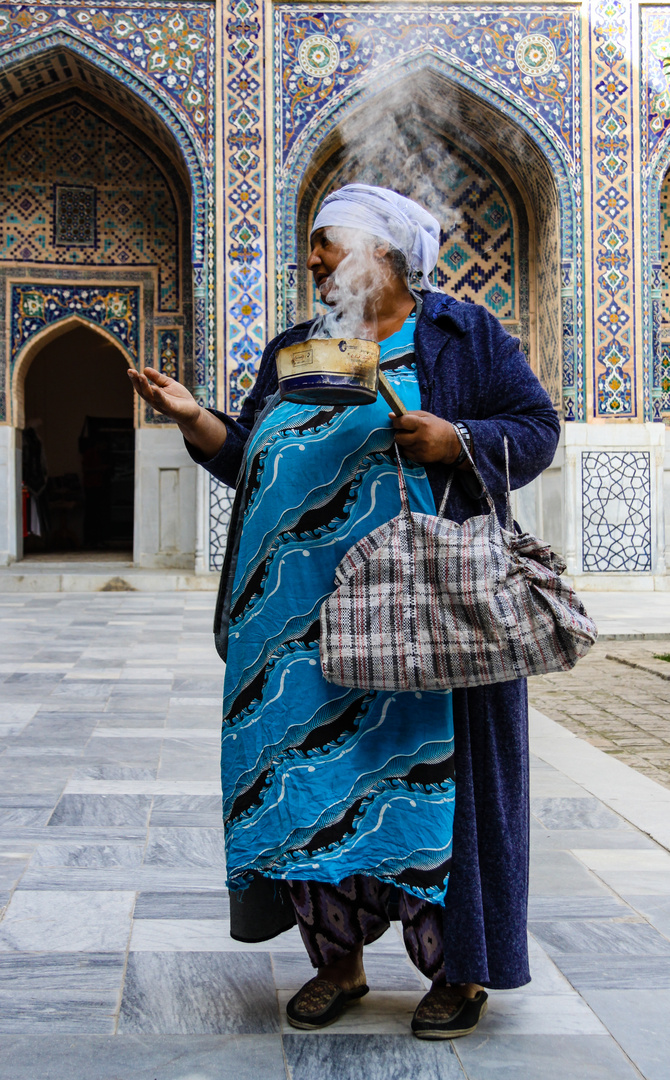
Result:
x=345 y=799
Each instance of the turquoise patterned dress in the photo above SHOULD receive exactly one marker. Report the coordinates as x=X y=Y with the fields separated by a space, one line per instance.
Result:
x=320 y=781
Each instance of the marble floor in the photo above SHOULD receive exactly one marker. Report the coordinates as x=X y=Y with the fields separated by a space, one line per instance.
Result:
x=115 y=958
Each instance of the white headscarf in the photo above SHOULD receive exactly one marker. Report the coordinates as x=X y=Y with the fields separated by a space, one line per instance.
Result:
x=390 y=216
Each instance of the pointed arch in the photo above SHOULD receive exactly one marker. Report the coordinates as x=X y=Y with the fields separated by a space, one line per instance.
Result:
x=537 y=163
x=141 y=96
x=38 y=342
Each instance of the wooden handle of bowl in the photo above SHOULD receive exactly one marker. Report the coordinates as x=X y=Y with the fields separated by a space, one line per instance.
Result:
x=390 y=396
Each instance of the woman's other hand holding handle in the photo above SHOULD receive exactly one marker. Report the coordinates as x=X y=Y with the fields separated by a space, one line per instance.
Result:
x=198 y=426
x=427 y=438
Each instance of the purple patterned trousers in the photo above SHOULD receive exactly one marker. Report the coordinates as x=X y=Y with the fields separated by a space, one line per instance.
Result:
x=334 y=919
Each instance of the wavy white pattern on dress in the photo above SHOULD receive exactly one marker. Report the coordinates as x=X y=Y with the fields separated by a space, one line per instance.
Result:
x=320 y=782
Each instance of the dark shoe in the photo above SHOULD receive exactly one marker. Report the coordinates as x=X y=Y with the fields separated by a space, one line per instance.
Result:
x=320 y=1002
x=446 y=1014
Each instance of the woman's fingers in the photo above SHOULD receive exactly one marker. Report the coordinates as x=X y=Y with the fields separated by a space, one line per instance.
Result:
x=157 y=377
x=148 y=391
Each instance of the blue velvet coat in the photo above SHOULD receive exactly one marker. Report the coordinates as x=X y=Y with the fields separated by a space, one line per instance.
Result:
x=469 y=369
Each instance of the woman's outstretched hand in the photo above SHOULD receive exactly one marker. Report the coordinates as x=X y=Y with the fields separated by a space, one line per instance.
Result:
x=165 y=395
x=424 y=437
x=168 y=397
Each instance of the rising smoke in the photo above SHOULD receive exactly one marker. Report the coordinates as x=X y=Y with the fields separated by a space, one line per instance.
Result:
x=387 y=143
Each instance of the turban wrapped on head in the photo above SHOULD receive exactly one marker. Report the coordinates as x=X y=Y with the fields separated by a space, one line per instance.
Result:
x=381 y=212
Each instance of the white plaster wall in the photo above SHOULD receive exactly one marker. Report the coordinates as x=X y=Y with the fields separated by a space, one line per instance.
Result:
x=11 y=532
x=165 y=500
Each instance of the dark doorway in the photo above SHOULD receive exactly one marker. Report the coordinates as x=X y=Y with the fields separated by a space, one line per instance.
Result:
x=78 y=447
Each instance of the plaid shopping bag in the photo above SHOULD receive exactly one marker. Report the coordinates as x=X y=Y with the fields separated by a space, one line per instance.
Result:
x=423 y=603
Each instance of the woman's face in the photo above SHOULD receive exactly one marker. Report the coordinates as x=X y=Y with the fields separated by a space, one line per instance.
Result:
x=326 y=254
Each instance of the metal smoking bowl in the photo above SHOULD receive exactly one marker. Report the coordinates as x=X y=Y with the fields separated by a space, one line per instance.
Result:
x=333 y=371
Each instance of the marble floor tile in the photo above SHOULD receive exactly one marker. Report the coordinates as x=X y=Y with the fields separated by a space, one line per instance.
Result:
x=547 y=908
x=574 y=813
x=23 y=816
x=89 y=856
x=171 y=811
x=199 y=994
x=102 y=810
x=143 y=787
x=186 y=847
x=559 y=873
x=156 y=732
x=654 y=908
x=531 y=1013
x=369 y=1057
x=625 y=860
x=33 y=799
x=67 y=922
x=616 y=972
x=151 y=878
x=153 y=721
x=63 y=972
x=182 y=905
x=546 y=977
x=636 y=882
x=542 y=839
x=555 y=785
x=200 y=760
x=638 y=1020
x=80 y=690
x=201 y=935
x=543 y=1057
x=109 y=772
x=634 y=938
x=92 y=1013
x=142 y=1057
x=48 y=777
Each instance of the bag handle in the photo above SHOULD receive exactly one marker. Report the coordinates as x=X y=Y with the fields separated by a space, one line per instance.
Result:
x=509 y=519
x=404 y=497
x=477 y=473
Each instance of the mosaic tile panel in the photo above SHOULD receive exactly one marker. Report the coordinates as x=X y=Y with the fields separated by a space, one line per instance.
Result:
x=655 y=151
x=166 y=41
x=524 y=50
x=156 y=61
x=138 y=222
x=34 y=307
x=613 y=303
x=246 y=308
x=220 y=508
x=479 y=251
x=168 y=352
x=616 y=511
x=317 y=104
x=74 y=214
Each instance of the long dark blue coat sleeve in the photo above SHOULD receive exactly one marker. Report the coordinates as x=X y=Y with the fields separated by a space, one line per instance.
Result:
x=472 y=370
x=226 y=464
x=517 y=406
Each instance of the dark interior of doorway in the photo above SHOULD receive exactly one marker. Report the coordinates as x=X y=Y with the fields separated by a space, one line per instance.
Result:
x=78 y=447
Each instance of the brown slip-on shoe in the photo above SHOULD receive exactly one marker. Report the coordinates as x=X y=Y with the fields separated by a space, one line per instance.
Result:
x=320 y=1002
x=443 y=1014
